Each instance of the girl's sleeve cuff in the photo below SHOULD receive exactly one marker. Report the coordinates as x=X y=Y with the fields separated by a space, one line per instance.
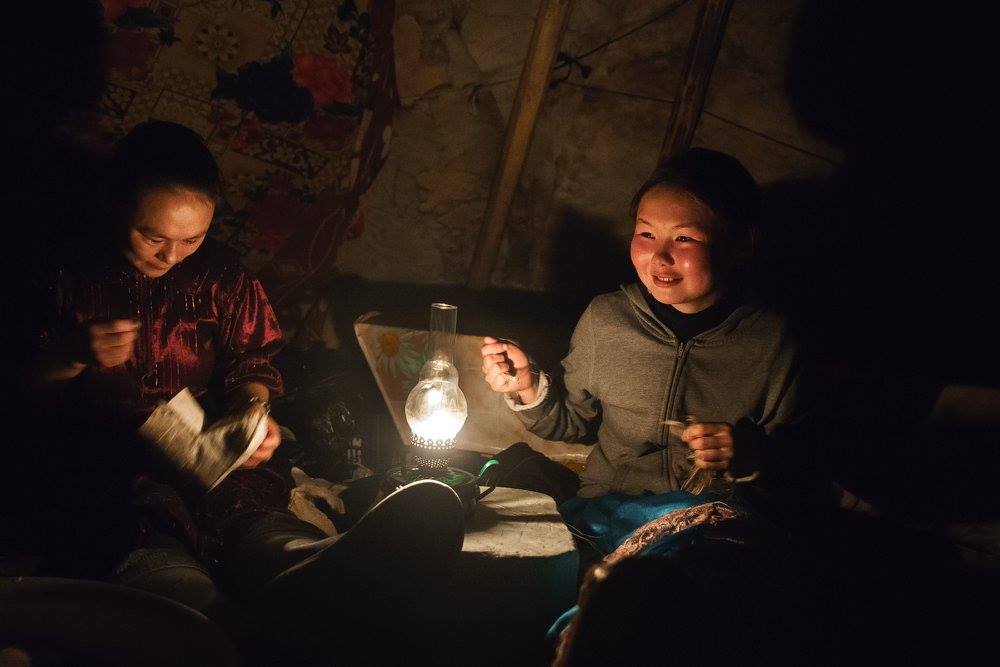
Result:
x=543 y=391
x=740 y=480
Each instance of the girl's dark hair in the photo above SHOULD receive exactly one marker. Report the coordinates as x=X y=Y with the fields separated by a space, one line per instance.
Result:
x=156 y=155
x=716 y=179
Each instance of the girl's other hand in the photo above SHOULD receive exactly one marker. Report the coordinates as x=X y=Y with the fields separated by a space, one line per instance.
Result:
x=506 y=369
x=266 y=449
x=107 y=343
x=711 y=443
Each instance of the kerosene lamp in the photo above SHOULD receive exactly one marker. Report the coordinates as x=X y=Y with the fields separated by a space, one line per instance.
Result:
x=436 y=410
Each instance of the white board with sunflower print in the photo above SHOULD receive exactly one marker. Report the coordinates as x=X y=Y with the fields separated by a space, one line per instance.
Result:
x=395 y=356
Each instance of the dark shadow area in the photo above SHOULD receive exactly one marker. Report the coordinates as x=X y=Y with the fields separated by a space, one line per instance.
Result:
x=887 y=271
x=51 y=184
x=587 y=259
x=889 y=266
x=49 y=195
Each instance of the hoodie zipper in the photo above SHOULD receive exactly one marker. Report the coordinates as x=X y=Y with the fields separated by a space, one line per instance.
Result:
x=675 y=374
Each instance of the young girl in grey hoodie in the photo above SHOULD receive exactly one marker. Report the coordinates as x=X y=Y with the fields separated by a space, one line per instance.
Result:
x=679 y=370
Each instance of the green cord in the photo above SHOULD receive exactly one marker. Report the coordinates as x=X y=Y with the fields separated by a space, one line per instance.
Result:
x=491 y=462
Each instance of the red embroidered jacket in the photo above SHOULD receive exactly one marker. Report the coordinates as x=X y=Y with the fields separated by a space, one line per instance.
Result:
x=206 y=325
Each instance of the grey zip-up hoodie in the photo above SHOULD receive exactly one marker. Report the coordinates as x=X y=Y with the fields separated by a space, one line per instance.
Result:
x=626 y=373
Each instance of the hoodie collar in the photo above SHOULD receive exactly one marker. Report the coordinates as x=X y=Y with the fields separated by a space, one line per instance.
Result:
x=718 y=334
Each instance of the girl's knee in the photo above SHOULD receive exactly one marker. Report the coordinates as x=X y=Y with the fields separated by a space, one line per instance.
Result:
x=169 y=572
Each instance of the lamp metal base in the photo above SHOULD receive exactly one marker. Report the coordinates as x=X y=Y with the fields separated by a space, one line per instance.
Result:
x=464 y=483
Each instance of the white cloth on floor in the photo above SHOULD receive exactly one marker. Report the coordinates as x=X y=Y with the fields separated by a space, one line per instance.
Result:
x=306 y=494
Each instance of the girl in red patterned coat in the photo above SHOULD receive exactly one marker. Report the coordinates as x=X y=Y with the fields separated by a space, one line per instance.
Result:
x=156 y=308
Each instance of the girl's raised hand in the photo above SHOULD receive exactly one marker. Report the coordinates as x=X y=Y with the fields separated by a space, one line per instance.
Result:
x=105 y=343
x=506 y=369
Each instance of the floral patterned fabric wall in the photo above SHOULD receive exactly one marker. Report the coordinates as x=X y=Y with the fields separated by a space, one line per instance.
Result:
x=295 y=99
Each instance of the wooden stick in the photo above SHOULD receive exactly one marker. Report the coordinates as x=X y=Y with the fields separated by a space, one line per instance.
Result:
x=550 y=24
x=702 y=52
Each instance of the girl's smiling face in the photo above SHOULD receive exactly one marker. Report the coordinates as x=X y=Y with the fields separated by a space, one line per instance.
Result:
x=674 y=249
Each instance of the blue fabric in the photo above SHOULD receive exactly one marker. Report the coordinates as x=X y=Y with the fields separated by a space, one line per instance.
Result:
x=611 y=519
x=561 y=623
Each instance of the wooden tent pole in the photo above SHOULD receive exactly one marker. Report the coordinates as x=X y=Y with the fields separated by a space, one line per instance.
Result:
x=550 y=24
x=702 y=52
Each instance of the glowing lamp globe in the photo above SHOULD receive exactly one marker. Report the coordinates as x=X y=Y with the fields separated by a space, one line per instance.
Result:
x=436 y=410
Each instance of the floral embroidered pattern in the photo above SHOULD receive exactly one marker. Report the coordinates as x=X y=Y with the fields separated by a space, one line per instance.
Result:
x=281 y=109
x=324 y=78
x=217 y=43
